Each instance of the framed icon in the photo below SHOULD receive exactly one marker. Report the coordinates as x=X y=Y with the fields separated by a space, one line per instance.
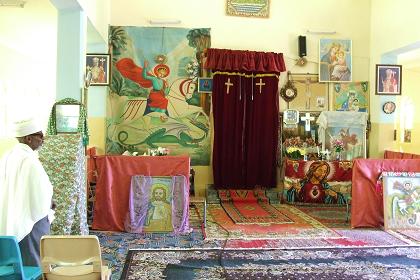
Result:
x=205 y=85
x=98 y=69
x=388 y=79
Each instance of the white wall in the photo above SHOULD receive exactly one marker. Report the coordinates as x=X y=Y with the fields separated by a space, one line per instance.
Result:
x=394 y=27
x=279 y=33
x=28 y=61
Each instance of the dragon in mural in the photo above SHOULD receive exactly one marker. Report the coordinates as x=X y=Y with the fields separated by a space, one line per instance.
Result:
x=172 y=133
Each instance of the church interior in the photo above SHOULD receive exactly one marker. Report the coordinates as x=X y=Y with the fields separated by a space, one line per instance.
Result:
x=223 y=139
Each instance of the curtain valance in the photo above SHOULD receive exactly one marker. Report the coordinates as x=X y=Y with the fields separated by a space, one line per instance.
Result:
x=239 y=60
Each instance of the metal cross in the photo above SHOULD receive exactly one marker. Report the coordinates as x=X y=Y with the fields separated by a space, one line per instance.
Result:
x=260 y=84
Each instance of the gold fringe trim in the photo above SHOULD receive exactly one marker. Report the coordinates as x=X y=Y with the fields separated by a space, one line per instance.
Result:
x=244 y=75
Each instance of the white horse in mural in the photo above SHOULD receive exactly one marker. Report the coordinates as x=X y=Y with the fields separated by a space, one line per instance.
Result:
x=178 y=107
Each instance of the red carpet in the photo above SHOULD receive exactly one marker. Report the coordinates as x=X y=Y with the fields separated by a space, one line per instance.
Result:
x=250 y=207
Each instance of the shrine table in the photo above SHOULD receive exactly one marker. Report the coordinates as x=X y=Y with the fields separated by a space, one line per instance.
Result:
x=113 y=184
x=367 y=203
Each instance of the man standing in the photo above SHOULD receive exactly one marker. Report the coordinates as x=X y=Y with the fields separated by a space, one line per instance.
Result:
x=159 y=214
x=25 y=192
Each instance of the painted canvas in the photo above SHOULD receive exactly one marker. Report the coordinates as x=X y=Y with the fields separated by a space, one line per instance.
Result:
x=401 y=200
x=335 y=60
x=159 y=210
x=154 y=99
x=351 y=96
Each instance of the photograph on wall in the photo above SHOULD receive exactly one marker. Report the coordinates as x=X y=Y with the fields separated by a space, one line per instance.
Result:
x=401 y=200
x=97 y=69
x=154 y=99
x=351 y=96
x=335 y=60
x=388 y=79
x=248 y=8
x=311 y=95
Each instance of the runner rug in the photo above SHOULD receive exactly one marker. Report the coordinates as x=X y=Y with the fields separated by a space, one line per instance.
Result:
x=250 y=207
x=296 y=224
x=386 y=263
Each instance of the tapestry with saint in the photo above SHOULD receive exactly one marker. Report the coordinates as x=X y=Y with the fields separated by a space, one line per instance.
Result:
x=153 y=100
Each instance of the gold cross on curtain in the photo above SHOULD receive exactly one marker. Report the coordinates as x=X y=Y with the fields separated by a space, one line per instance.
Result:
x=245 y=110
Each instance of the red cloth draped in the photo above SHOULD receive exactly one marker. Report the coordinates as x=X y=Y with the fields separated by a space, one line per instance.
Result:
x=251 y=61
x=246 y=116
x=367 y=208
x=114 y=181
x=394 y=155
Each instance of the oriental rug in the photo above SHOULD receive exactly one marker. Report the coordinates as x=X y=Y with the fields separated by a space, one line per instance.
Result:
x=371 y=263
x=332 y=216
x=250 y=207
x=298 y=226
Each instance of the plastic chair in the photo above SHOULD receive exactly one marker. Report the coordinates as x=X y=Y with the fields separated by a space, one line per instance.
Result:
x=11 y=266
x=72 y=257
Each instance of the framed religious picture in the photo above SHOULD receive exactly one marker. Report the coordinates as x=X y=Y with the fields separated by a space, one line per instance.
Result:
x=388 y=79
x=352 y=96
x=401 y=200
x=248 y=8
x=97 y=69
x=335 y=60
x=306 y=94
x=67 y=118
x=205 y=85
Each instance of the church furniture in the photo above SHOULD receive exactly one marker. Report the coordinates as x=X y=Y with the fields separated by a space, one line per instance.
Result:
x=114 y=174
x=11 y=263
x=72 y=257
x=367 y=202
x=63 y=158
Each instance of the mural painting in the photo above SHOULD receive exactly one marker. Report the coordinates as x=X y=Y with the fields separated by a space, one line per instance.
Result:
x=154 y=99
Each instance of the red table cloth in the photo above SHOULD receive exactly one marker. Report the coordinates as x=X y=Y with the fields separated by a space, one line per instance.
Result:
x=367 y=208
x=114 y=179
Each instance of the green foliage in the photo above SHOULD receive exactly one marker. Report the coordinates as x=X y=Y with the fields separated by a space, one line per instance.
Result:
x=199 y=38
x=126 y=87
x=117 y=39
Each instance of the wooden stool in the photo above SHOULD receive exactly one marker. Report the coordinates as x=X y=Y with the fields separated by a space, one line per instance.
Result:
x=194 y=200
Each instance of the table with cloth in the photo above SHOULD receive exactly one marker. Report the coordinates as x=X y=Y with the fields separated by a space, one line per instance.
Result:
x=114 y=175
x=367 y=199
x=334 y=186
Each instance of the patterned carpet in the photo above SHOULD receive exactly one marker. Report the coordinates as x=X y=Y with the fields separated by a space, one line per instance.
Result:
x=115 y=245
x=384 y=263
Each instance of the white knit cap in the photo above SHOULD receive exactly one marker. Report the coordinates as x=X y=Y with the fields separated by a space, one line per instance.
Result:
x=25 y=127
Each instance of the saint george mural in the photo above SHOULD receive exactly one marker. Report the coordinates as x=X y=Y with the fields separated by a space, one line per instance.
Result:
x=154 y=100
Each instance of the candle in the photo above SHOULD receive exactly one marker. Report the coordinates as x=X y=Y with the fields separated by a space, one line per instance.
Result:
x=317 y=148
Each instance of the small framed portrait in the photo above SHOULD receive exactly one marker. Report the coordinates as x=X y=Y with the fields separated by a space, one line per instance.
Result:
x=97 y=69
x=389 y=107
x=67 y=118
x=205 y=85
x=388 y=79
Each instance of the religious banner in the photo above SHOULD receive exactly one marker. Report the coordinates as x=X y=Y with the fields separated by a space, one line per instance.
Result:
x=351 y=96
x=154 y=99
x=325 y=182
x=158 y=204
x=401 y=200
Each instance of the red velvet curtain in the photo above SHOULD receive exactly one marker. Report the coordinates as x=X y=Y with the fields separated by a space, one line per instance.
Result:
x=245 y=110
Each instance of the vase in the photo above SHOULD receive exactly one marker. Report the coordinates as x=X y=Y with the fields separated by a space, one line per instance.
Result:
x=338 y=155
